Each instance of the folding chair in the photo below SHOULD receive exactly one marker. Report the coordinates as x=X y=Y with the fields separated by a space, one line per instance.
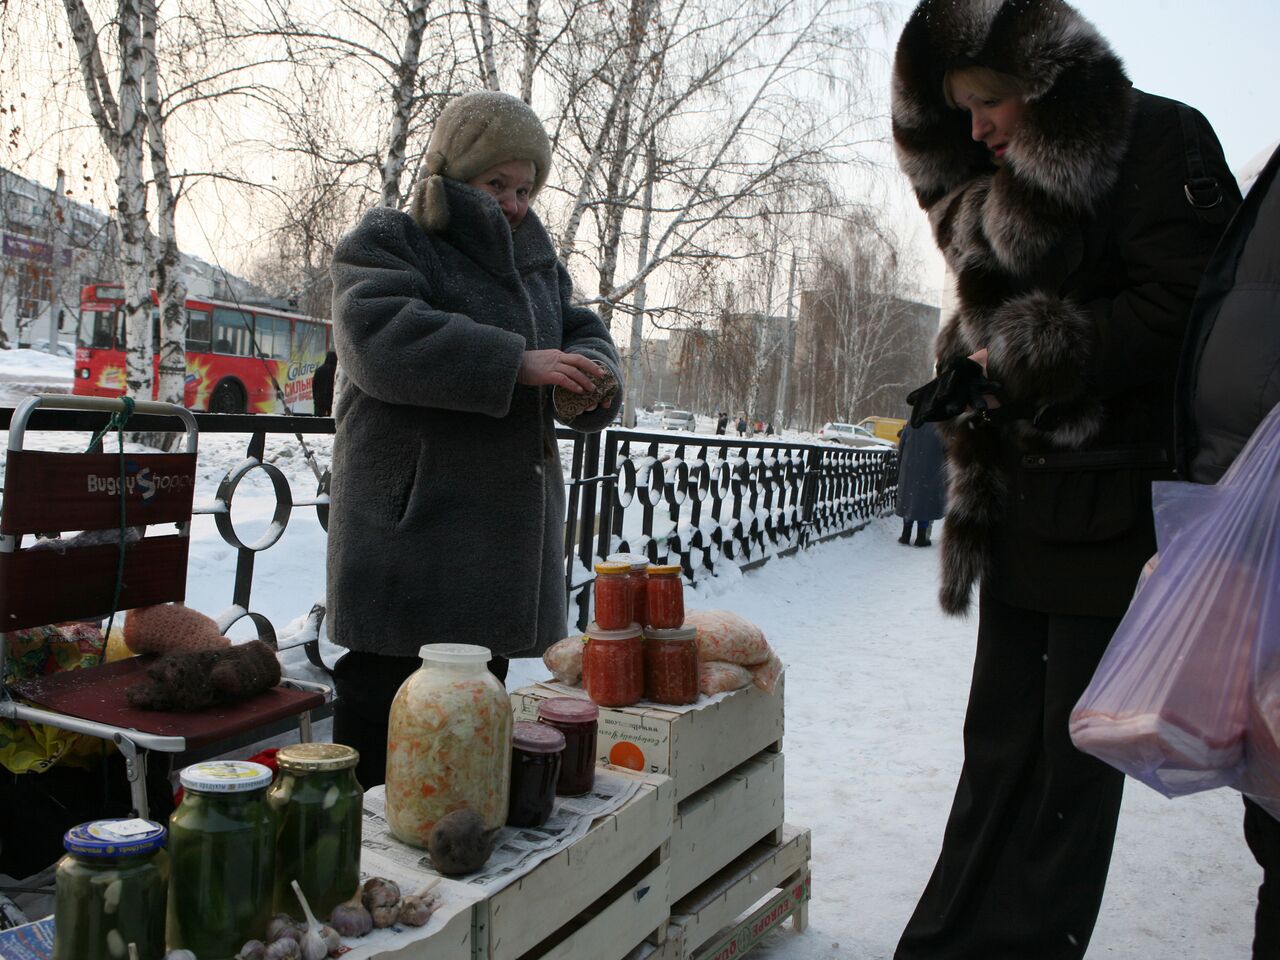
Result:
x=48 y=492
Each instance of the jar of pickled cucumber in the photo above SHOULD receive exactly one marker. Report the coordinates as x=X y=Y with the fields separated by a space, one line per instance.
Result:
x=318 y=806
x=110 y=891
x=222 y=846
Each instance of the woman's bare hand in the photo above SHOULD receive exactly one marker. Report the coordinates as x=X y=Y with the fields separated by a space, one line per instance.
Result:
x=980 y=358
x=557 y=368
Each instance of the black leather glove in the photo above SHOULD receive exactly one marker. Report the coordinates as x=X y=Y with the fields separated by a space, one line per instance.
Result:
x=959 y=385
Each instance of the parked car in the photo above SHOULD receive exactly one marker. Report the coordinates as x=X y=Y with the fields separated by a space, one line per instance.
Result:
x=851 y=435
x=679 y=420
x=63 y=349
x=886 y=428
x=662 y=406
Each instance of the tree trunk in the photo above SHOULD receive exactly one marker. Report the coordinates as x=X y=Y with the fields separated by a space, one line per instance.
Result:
x=532 y=30
x=637 y=318
x=402 y=103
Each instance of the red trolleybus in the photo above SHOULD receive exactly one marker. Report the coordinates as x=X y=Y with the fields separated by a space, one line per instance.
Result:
x=225 y=373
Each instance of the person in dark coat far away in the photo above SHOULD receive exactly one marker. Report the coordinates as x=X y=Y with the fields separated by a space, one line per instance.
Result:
x=322 y=384
x=922 y=487
x=1077 y=214
x=722 y=423
x=453 y=322
x=1228 y=383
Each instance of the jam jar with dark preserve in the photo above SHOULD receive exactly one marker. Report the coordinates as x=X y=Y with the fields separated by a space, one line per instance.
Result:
x=577 y=720
x=536 y=752
x=613 y=593
x=671 y=665
x=664 y=598
x=613 y=666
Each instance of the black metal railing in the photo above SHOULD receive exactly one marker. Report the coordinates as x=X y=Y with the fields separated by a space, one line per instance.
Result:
x=701 y=502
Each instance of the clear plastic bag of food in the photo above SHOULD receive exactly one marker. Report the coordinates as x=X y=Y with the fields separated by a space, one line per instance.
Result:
x=564 y=659
x=725 y=637
x=716 y=678
x=766 y=675
x=1186 y=697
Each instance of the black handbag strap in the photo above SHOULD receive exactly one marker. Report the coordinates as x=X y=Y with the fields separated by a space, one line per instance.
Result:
x=1203 y=192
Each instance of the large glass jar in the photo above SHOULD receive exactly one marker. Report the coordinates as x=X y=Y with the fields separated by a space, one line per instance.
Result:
x=448 y=743
x=637 y=581
x=536 y=751
x=111 y=889
x=613 y=666
x=664 y=598
x=318 y=806
x=222 y=845
x=577 y=720
x=671 y=665
x=613 y=592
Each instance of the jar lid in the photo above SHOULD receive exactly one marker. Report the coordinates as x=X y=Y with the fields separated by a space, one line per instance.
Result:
x=675 y=633
x=613 y=569
x=636 y=561
x=455 y=653
x=663 y=569
x=225 y=776
x=317 y=757
x=536 y=737
x=595 y=632
x=115 y=838
x=568 y=710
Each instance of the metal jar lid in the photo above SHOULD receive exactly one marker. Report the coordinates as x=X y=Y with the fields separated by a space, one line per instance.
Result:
x=664 y=569
x=568 y=710
x=608 y=569
x=317 y=757
x=536 y=738
x=125 y=837
x=225 y=776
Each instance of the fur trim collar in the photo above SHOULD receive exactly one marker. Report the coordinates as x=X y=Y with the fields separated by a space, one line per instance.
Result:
x=1066 y=154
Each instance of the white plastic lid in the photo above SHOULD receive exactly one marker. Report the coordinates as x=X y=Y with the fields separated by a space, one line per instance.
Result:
x=455 y=653
x=225 y=776
x=596 y=632
x=637 y=561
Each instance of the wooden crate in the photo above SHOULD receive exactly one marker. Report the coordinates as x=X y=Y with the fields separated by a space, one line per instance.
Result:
x=451 y=941
x=724 y=819
x=728 y=914
x=692 y=748
x=594 y=900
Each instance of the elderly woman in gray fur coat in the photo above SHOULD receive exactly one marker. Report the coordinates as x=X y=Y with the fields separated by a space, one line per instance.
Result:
x=1076 y=214
x=454 y=324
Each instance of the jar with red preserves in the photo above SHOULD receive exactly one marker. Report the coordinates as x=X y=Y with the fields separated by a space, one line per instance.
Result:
x=536 y=752
x=613 y=666
x=613 y=596
x=577 y=720
x=664 y=598
x=671 y=665
x=637 y=580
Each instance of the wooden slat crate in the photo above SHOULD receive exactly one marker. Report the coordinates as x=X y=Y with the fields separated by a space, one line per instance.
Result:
x=692 y=748
x=728 y=914
x=606 y=892
x=724 y=819
x=453 y=941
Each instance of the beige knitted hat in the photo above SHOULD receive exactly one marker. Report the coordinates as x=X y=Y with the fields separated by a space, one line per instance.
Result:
x=474 y=132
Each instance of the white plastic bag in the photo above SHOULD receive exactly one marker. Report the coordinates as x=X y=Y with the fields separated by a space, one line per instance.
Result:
x=1187 y=697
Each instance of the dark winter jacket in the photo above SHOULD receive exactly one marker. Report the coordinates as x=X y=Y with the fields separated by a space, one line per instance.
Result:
x=322 y=385
x=922 y=485
x=1075 y=265
x=447 y=519
x=1230 y=377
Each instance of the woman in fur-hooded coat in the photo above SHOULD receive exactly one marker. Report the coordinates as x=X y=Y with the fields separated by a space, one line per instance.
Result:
x=1076 y=234
x=448 y=500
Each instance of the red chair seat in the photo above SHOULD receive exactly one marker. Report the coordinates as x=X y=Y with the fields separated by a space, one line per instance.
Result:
x=98 y=694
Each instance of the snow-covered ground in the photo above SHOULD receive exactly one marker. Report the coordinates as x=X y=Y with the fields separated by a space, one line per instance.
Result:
x=876 y=686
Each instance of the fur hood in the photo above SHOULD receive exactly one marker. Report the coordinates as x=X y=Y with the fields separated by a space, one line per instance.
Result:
x=1011 y=234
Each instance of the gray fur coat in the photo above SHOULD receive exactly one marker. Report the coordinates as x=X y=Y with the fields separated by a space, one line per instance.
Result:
x=447 y=518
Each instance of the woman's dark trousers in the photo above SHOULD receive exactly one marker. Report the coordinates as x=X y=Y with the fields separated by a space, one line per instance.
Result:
x=1027 y=846
x=1262 y=832
x=366 y=683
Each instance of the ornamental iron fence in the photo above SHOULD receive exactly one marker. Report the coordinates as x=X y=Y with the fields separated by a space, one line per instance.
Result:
x=701 y=502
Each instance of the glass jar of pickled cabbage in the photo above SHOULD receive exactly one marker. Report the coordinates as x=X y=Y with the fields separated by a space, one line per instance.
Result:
x=318 y=806
x=110 y=891
x=222 y=845
x=448 y=743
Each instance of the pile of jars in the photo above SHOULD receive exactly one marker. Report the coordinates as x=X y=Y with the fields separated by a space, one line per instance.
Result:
x=638 y=647
x=554 y=757
x=234 y=845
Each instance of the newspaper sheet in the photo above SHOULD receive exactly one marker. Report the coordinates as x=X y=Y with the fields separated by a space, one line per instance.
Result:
x=518 y=850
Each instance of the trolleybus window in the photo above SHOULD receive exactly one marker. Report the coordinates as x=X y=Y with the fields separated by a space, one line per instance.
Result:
x=197 y=330
x=231 y=332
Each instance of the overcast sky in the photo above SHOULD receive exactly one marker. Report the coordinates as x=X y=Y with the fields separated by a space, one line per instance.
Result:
x=1221 y=57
